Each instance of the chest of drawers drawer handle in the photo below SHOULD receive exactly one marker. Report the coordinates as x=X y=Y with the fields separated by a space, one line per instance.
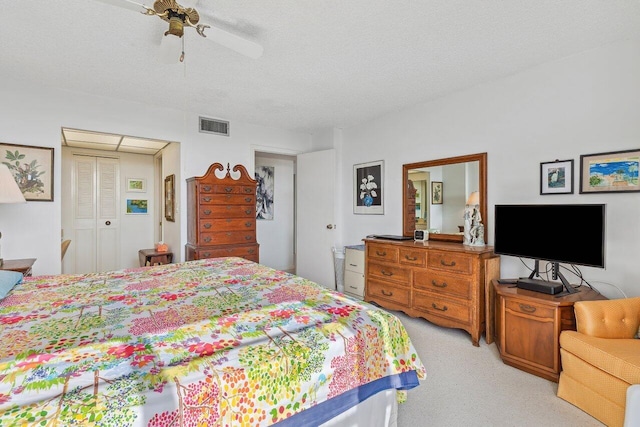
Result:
x=411 y=258
x=248 y=190
x=439 y=285
x=206 y=199
x=383 y=253
x=207 y=212
x=247 y=211
x=451 y=264
x=206 y=254
x=247 y=199
x=251 y=251
x=387 y=294
x=248 y=237
x=206 y=187
x=527 y=308
x=207 y=226
x=386 y=273
x=248 y=224
x=353 y=265
x=228 y=189
x=229 y=220
x=435 y=306
x=207 y=239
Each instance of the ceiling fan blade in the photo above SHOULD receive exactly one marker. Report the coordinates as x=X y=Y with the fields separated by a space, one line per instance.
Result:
x=236 y=43
x=127 y=4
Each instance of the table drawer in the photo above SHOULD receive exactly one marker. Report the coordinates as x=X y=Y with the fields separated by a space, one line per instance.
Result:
x=381 y=252
x=390 y=272
x=228 y=224
x=412 y=257
x=397 y=294
x=441 y=306
x=227 y=211
x=227 y=237
x=450 y=284
x=530 y=309
x=354 y=260
x=230 y=199
x=450 y=261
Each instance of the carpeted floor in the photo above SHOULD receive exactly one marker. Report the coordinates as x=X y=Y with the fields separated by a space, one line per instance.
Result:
x=470 y=386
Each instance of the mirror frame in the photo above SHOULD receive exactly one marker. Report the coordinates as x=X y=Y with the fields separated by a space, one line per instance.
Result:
x=481 y=158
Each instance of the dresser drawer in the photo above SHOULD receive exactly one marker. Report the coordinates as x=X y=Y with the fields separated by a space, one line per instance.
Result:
x=449 y=284
x=227 y=237
x=397 y=294
x=390 y=272
x=226 y=189
x=450 y=261
x=441 y=306
x=230 y=199
x=381 y=252
x=414 y=257
x=354 y=260
x=228 y=224
x=227 y=211
x=354 y=283
x=248 y=251
x=530 y=309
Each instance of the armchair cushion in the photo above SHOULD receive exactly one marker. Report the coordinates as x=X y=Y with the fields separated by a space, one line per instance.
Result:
x=616 y=318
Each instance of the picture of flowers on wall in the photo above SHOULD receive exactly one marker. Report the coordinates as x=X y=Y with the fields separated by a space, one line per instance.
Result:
x=612 y=172
x=32 y=168
x=368 y=188
x=137 y=206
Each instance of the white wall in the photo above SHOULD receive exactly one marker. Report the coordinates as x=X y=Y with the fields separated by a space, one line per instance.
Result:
x=33 y=115
x=276 y=236
x=171 y=230
x=583 y=104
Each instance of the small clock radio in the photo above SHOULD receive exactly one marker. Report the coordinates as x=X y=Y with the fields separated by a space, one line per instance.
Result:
x=420 y=235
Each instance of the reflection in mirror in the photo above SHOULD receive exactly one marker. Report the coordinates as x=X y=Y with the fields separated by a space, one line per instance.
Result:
x=437 y=192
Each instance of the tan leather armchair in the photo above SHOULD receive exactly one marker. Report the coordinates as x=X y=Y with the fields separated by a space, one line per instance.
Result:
x=602 y=358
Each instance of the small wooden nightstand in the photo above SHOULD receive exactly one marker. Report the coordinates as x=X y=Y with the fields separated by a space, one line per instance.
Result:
x=153 y=257
x=20 y=265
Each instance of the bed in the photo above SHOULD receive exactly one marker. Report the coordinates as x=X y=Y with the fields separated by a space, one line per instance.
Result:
x=221 y=341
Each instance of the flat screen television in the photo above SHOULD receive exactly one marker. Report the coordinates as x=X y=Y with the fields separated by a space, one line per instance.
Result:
x=561 y=233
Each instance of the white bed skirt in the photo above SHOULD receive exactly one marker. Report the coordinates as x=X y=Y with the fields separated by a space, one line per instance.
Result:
x=380 y=410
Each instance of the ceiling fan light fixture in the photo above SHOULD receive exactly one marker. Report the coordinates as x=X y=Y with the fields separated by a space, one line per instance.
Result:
x=176 y=26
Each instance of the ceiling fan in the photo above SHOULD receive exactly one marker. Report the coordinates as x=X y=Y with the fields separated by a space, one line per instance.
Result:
x=179 y=17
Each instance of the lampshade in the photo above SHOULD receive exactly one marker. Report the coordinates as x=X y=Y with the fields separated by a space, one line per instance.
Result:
x=9 y=190
x=474 y=198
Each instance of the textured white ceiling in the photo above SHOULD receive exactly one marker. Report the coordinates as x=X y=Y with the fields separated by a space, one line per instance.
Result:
x=331 y=63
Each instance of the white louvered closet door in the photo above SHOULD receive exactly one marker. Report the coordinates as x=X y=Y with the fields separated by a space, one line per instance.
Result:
x=96 y=225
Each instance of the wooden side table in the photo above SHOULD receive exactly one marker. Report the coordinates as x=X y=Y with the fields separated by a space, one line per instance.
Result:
x=153 y=257
x=528 y=326
x=20 y=265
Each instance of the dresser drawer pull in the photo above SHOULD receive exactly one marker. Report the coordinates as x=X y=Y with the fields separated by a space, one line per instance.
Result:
x=247 y=211
x=452 y=264
x=247 y=199
x=228 y=189
x=386 y=273
x=228 y=197
x=444 y=308
x=355 y=287
x=206 y=199
x=207 y=226
x=248 y=190
x=207 y=211
x=251 y=251
x=248 y=237
x=527 y=308
x=207 y=239
x=411 y=258
x=206 y=254
x=383 y=253
x=206 y=187
x=248 y=224
x=387 y=294
x=353 y=265
x=439 y=285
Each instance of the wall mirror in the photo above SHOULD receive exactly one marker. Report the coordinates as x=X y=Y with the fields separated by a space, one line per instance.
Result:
x=435 y=193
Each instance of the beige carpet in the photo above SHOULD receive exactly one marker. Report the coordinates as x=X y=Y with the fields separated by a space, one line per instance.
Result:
x=470 y=386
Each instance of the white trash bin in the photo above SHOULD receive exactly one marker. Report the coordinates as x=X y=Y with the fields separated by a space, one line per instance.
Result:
x=338 y=266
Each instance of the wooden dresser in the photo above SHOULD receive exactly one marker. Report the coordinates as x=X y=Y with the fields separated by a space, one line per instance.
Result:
x=221 y=215
x=443 y=282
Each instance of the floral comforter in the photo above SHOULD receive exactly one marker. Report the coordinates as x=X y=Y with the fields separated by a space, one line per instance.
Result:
x=220 y=341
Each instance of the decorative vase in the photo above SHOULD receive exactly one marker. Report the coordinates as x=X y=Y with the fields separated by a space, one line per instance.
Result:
x=368 y=200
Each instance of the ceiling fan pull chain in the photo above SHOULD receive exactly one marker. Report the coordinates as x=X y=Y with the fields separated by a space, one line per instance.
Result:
x=182 y=55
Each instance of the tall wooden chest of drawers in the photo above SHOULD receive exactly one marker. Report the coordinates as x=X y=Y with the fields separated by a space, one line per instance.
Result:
x=443 y=282
x=221 y=215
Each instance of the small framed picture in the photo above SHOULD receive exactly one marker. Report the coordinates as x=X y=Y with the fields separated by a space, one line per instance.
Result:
x=556 y=177
x=32 y=168
x=436 y=193
x=137 y=207
x=136 y=185
x=368 y=188
x=614 y=172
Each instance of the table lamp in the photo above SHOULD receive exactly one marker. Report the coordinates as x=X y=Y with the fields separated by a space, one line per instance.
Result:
x=9 y=192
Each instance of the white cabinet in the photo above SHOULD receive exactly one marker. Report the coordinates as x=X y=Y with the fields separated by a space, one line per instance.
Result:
x=354 y=271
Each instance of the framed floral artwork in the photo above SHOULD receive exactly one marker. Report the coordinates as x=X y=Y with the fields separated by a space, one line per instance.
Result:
x=32 y=168
x=556 y=177
x=368 y=188
x=436 y=193
x=613 y=172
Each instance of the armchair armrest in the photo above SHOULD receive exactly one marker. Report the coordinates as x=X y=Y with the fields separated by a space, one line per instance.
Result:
x=616 y=318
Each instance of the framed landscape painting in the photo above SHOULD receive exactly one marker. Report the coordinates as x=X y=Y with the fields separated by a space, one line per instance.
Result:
x=368 y=191
x=137 y=207
x=136 y=185
x=32 y=168
x=613 y=172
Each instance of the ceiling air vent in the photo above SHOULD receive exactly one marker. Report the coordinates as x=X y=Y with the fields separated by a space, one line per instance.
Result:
x=218 y=127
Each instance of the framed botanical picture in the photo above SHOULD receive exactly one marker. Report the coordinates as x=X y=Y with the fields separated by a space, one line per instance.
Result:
x=436 y=193
x=137 y=207
x=613 y=172
x=138 y=185
x=32 y=168
x=556 y=177
x=169 y=198
x=368 y=188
